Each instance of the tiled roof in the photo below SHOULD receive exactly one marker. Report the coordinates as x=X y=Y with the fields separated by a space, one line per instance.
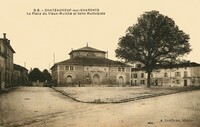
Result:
x=18 y=67
x=91 y=62
x=180 y=65
x=88 y=49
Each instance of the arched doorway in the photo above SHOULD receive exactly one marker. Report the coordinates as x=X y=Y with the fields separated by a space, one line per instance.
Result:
x=96 y=79
x=121 y=80
x=69 y=79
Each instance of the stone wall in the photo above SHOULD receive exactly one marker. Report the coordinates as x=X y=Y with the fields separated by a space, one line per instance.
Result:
x=93 y=76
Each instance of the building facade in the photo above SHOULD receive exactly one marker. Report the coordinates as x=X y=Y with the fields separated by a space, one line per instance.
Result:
x=6 y=62
x=20 y=75
x=183 y=74
x=88 y=66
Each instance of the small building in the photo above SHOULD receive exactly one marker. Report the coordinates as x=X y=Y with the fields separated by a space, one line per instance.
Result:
x=138 y=76
x=20 y=75
x=182 y=74
x=88 y=66
x=6 y=62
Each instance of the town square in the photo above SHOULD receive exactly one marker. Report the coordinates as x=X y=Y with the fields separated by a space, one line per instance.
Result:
x=102 y=63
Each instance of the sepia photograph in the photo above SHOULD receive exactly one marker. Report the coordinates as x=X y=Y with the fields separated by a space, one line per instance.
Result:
x=99 y=63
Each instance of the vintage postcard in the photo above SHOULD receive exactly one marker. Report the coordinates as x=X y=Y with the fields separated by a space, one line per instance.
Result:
x=99 y=63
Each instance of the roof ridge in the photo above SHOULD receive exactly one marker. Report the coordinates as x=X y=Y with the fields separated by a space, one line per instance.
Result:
x=87 y=48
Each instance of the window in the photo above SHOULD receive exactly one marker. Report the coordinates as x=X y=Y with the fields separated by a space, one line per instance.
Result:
x=121 y=69
x=177 y=81
x=177 y=74
x=185 y=74
x=142 y=82
x=71 y=68
x=134 y=75
x=66 y=67
x=142 y=75
x=135 y=82
x=165 y=75
x=91 y=54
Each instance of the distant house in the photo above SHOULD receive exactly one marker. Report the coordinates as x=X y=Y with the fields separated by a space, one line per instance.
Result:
x=6 y=62
x=20 y=75
x=89 y=67
x=183 y=74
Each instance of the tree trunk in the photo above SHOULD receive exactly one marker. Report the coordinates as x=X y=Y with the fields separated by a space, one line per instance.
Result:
x=148 y=79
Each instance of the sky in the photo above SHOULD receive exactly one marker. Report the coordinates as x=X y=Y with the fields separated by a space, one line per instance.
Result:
x=35 y=38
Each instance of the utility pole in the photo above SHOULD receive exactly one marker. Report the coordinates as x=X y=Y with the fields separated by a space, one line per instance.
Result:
x=107 y=54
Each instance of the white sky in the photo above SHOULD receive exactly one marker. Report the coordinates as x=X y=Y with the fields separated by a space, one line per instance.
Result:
x=36 y=38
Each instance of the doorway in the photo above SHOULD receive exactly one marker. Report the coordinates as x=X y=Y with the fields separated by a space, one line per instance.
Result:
x=96 y=79
x=185 y=82
x=121 y=81
x=69 y=79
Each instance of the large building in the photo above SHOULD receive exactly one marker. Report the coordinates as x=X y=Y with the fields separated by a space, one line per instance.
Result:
x=6 y=62
x=182 y=74
x=88 y=66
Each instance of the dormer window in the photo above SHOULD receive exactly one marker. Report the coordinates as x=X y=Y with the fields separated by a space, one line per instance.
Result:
x=90 y=54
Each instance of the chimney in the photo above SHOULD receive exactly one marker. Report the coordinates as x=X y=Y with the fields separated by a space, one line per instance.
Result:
x=4 y=35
